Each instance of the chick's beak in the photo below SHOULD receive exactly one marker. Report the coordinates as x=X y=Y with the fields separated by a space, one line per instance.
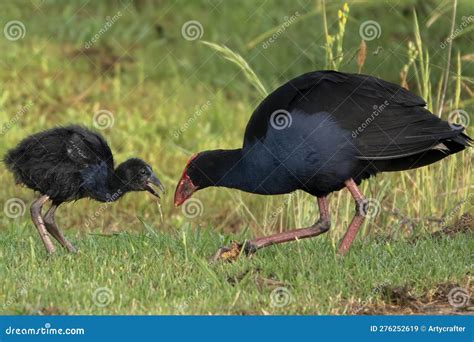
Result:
x=153 y=180
x=184 y=190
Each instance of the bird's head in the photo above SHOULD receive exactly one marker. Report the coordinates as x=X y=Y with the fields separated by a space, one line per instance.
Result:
x=199 y=173
x=205 y=169
x=137 y=175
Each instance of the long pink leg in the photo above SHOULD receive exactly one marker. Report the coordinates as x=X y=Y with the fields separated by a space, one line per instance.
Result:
x=358 y=219
x=35 y=212
x=321 y=226
x=52 y=227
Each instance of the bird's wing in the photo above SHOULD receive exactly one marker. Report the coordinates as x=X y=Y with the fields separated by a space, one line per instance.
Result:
x=85 y=148
x=400 y=132
x=92 y=159
x=386 y=120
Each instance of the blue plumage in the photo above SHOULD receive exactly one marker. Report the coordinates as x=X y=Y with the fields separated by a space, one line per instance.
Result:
x=95 y=180
x=320 y=132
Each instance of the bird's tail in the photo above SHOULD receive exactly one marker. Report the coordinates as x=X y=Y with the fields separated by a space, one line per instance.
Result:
x=464 y=140
x=10 y=159
x=457 y=143
x=445 y=148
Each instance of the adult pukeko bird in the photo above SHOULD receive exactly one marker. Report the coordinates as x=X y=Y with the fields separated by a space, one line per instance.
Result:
x=319 y=133
x=68 y=163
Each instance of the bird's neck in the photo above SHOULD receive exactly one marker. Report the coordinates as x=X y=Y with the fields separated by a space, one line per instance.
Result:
x=231 y=169
x=240 y=169
x=103 y=183
x=116 y=189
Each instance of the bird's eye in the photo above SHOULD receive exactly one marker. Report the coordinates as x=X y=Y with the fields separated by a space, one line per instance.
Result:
x=143 y=171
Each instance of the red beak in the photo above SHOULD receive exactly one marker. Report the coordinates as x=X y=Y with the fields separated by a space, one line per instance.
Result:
x=184 y=190
x=185 y=187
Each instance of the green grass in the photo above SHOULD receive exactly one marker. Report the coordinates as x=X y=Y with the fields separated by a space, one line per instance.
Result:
x=158 y=273
x=170 y=98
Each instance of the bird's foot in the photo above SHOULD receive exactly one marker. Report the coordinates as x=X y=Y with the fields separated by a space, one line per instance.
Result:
x=50 y=251
x=233 y=252
x=70 y=247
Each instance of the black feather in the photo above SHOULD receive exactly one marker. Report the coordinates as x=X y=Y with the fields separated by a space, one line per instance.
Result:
x=340 y=126
x=69 y=163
